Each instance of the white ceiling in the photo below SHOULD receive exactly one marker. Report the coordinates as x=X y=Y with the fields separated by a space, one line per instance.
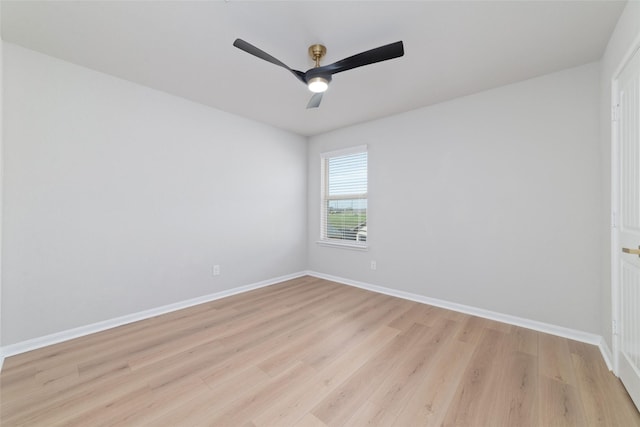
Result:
x=452 y=49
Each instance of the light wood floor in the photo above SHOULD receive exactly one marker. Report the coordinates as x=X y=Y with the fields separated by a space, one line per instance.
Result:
x=309 y=352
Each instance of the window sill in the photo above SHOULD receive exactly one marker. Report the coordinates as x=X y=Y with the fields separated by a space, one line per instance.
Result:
x=343 y=245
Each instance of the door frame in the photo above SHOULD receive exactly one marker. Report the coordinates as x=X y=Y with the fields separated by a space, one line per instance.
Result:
x=615 y=199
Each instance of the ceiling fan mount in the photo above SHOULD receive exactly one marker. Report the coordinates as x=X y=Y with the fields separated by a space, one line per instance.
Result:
x=318 y=78
x=317 y=52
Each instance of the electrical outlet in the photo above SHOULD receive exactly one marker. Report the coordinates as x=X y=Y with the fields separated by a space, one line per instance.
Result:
x=216 y=270
x=374 y=265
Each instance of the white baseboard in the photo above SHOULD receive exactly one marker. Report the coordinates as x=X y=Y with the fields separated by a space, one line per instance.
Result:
x=607 y=354
x=547 y=328
x=58 y=337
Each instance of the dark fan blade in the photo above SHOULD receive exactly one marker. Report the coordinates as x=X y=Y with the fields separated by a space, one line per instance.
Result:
x=315 y=100
x=379 y=54
x=249 y=48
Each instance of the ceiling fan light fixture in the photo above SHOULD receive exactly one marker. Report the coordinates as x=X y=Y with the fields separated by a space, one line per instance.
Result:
x=318 y=84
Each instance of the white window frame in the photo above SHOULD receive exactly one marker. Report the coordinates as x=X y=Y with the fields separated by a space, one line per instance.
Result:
x=324 y=240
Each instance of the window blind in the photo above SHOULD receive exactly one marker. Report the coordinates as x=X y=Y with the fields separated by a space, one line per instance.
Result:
x=344 y=197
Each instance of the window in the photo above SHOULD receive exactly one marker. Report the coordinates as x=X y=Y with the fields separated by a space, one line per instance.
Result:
x=343 y=218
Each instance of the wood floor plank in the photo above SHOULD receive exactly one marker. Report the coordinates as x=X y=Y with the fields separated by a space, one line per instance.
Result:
x=555 y=359
x=597 y=387
x=314 y=353
x=418 y=313
x=472 y=329
x=338 y=407
x=156 y=404
x=407 y=375
x=356 y=328
x=369 y=414
x=221 y=396
x=125 y=407
x=260 y=399
x=517 y=397
x=112 y=342
x=290 y=409
x=310 y=421
x=560 y=404
x=428 y=405
x=474 y=398
x=526 y=340
x=301 y=345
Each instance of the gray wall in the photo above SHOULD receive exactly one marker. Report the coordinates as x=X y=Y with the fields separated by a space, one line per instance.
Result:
x=119 y=198
x=492 y=200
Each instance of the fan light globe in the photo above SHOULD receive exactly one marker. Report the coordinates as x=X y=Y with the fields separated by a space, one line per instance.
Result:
x=318 y=84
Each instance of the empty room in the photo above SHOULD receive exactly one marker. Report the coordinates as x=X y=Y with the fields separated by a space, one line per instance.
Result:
x=313 y=213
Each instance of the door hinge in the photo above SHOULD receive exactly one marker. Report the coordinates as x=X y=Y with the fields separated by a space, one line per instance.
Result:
x=615 y=112
x=614 y=219
x=614 y=327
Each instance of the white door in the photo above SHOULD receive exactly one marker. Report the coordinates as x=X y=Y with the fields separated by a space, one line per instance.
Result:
x=628 y=234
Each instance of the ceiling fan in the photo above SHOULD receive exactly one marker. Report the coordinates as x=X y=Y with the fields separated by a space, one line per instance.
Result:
x=318 y=78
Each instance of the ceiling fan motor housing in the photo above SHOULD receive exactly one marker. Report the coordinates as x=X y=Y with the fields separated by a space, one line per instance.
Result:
x=313 y=74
